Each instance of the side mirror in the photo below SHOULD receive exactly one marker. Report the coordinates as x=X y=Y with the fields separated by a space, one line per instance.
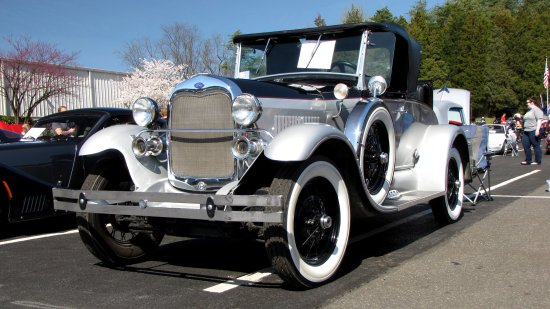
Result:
x=377 y=85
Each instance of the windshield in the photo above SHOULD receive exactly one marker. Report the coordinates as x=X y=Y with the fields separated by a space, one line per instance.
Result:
x=74 y=126
x=314 y=53
x=319 y=53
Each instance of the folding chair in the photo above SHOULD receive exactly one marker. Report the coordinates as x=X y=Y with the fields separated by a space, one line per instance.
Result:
x=481 y=170
x=511 y=145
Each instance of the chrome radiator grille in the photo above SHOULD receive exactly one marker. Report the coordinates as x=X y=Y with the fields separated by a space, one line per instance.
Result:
x=201 y=155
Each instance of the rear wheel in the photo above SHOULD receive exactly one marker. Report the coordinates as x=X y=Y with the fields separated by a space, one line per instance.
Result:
x=307 y=249
x=448 y=208
x=107 y=236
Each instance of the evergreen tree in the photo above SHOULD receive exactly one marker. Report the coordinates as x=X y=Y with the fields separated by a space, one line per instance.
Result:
x=319 y=21
x=422 y=28
x=498 y=88
x=354 y=15
x=530 y=46
x=383 y=15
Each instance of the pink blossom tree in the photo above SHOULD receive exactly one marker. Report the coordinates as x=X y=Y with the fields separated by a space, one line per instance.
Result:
x=32 y=73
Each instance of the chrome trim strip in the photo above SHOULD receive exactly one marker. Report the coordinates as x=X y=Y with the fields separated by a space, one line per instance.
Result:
x=208 y=81
x=361 y=61
x=206 y=131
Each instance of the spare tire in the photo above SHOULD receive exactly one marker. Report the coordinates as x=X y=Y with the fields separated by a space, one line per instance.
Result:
x=377 y=156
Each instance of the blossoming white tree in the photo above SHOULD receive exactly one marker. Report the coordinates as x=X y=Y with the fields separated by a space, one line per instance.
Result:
x=154 y=80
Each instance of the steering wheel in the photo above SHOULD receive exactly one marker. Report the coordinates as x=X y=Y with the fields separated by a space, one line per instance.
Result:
x=342 y=65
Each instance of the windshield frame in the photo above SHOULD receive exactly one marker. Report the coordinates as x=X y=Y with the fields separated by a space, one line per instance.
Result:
x=268 y=42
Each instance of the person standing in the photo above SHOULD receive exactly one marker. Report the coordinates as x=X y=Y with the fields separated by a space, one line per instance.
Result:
x=531 y=136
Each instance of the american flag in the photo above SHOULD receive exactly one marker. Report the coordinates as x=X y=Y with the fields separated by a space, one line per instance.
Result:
x=546 y=74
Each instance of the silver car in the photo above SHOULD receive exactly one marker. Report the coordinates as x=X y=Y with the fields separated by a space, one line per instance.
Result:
x=317 y=129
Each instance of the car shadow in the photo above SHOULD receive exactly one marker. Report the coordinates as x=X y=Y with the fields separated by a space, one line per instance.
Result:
x=209 y=260
x=204 y=259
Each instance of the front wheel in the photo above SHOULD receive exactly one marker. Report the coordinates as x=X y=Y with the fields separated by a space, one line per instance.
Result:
x=109 y=237
x=448 y=208
x=307 y=249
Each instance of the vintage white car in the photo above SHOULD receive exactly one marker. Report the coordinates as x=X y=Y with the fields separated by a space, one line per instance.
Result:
x=497 y=138
x=318 y=128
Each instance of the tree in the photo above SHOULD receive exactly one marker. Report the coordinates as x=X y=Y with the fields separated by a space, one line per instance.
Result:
x=32 y=73
x=383 y=15
x=423 y=29
x=181 y=44
x=354 y=15
x=153 y=79
x=319 y=21
x=138 y=50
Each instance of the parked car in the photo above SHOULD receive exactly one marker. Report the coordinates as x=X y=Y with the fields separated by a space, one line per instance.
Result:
x=547 y=144
x=7 y=136
x=42 y=160
x=319 y=128
x=497 y=138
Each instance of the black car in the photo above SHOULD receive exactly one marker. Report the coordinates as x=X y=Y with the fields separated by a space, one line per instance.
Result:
x=7 y=136
x=42 y=160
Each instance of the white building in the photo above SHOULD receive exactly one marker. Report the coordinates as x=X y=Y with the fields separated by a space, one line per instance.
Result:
x=96 y=88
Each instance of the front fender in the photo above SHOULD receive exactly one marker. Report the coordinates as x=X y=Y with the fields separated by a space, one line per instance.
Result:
x=144 y=172
x=298 y=143
x=115 y=137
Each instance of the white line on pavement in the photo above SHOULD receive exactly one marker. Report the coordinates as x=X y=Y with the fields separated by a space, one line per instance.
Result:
x=7 y=242
x=514 y=179
x=522 y=196
x=244 y=280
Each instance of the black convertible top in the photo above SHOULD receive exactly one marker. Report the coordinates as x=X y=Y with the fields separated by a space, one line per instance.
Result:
x=357 y=27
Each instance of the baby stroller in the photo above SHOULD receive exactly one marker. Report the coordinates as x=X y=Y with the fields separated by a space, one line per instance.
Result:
x=511 y=145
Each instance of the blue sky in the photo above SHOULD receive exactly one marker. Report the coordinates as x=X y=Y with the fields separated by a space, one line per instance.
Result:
x=99 y=29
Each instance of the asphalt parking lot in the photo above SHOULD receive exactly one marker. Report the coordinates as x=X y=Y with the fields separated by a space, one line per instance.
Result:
x=495 y=257
x=501 y=261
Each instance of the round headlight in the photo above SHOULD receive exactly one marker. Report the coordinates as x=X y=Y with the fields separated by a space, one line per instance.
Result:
x=377 y=85
x=341 y=91
x=246 y=109
x=144 y=110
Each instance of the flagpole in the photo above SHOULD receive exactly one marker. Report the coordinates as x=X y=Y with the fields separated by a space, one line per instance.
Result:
x=546 y=76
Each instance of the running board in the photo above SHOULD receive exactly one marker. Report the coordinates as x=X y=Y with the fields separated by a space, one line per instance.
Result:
x=411 y=198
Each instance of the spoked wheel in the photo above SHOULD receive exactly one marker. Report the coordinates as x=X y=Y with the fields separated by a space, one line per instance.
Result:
x=378 y=154
x=307 y=249
x=108 y=237
x=448 y=208
x=376 y=157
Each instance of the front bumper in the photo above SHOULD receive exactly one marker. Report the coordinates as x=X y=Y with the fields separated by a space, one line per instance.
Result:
x=250 y=208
